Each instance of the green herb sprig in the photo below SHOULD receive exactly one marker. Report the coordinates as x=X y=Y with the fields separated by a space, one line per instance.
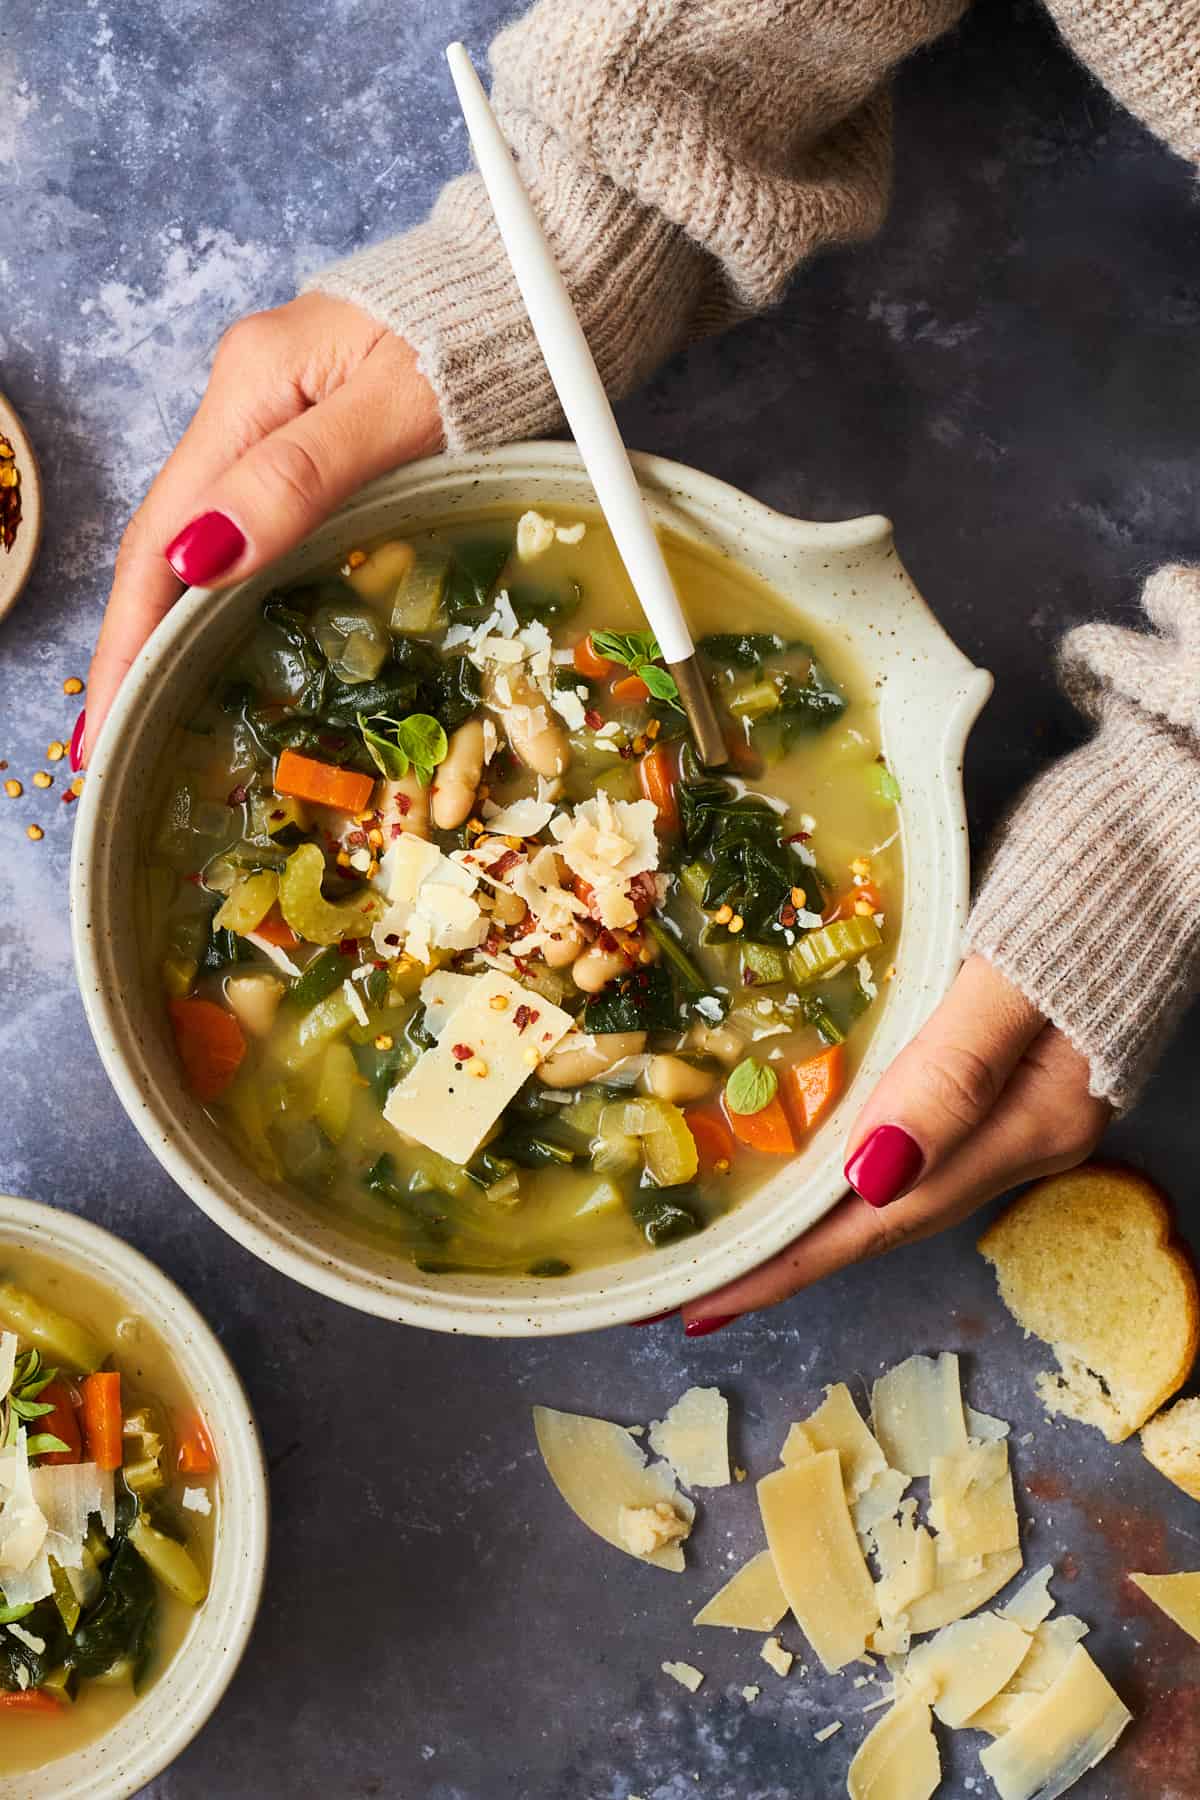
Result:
x=417 y=742
x=639 y=651
x=750 y=1087
x=22 y=1406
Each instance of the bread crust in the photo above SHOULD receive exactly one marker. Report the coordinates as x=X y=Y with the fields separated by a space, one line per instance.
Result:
x=1165 y=1242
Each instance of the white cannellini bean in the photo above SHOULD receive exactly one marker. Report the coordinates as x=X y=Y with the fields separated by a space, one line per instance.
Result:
x=405 y=803
x=456 y=781
x=569 y=1068
x=558 y=951
x=721 y=1041
x=533 y=731
x=384 y=569
x=597 y=967
x=507 y=908
x=670 y=1078
x=254 y=1000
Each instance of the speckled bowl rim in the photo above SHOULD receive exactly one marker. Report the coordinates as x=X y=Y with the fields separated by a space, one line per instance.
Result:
x=165 y=1720
x=929 y=694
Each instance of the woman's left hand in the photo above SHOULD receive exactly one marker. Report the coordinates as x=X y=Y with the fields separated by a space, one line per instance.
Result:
x=986 y=1096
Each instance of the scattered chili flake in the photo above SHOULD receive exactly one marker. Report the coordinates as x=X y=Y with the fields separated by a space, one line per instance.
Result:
x=524 y=1016
x=799 y=837
x=13 y=788
x=463 y=1053
x=34 y=832
x=77 y=786
x=54 y=752
x=626 y=752
x=43 y=780
x=357 y=838
x=348 y=947
x=72 y=685
x=391 y=937
x=237 y=796
x=787 y=915
x=10 y=494
x=749 y=978
x=356 y=559
x=593 y=719
x=68 y=799
x=403 y=807
x=385 y=1041
x=504 y=863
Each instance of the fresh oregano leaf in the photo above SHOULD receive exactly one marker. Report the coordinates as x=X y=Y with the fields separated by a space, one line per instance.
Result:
x=750 y=1087
x=396 y=745
x=44 y=1443
x=661 y=684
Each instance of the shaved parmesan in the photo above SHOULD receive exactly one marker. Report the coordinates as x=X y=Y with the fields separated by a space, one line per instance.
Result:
x=570 y=534
x=598 y=1469
x=983 y=1426
x=354 y=1002
x=776 y=1657
x=1176 y=1595
x=449 y=1104
x=684 y=1674
x=694 y=1438
x=1001 y=1714
x=283 y=962
x=1049 y=1651
x=899 y=1759
x=817 y=1556
x=68 y=1496
x=194 y=1499
x=30 y=1641
x=535 y=534
x=441 y=992
x=966 y=1665
x=892 y=1639
x=646 y=1529
x=1032 y=1602
x=570 y=708
x=607 y=842
x=881 y=1499
x=826 y=1732
x=750 y=1694
x=838 y=1425
x=907 y=1562
x=23 y=1525
x=954 y=1595
x=971 y=1504
x=752 y=1600
x=8 y=1361
x=917 y=1412
x=1064 y=1733
x=524 y=818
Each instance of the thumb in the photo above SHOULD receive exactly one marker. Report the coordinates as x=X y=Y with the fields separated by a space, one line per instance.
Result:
x=290 y=481
x=943 y=1086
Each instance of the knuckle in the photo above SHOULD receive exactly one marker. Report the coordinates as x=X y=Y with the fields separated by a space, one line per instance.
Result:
x=287 y=466
x=962 y=1084
x=246 y=338
x=887 y=1232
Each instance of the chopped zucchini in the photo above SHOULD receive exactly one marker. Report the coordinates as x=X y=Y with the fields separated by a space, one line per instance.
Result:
x=419 y=598
x=760 y=964
x=248 y=902
x=843 y=941
x=335 y=1091
x=59 y=1339
x=296 y=1045
x=170 y=1562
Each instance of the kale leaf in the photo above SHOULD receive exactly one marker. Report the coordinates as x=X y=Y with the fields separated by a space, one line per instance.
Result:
x=642 y=1000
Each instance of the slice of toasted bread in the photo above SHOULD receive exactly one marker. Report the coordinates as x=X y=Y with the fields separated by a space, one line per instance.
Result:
x=1172 y=1443
x=1086 y=1262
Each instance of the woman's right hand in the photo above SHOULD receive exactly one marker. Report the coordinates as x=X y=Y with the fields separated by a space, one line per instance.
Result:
x=304 y=405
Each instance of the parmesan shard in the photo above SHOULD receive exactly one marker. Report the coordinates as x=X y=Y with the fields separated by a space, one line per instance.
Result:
x=752 y=1600
x=953 y=1596
x=1001 y=1714
x=449 y=1100
x=598 y=1469
x=1050 y=1646
x=8 y=1361
x=984 y=1427
x=817 y=1556
x=1032 y=1602
x=966 y=1665
x=917 y=1412
x=880 y=1501
x=645 y=1529
x=899 y=1759
x=684 y=1674
x=776 y=1657
x=827 y=1731
x=907 y=1562
x=892 y=1639
x=694 y=1438
x=971 y=1505
x=1063 y=1734
x=1176 y=1595
x=838 y=1425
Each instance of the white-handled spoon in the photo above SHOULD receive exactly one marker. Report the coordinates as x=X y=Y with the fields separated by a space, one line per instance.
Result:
x=585 y=404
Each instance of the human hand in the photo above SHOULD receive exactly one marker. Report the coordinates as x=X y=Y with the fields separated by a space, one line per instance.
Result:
x=987 y=1095
x=304 y=404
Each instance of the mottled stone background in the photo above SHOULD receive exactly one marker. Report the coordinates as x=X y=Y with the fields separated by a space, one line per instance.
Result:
x=1011 y=372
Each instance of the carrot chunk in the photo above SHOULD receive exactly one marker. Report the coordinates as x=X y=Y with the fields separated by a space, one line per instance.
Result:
x=195 y=1452
x=596 y=668
x=629 y=689
x=210 y=1044
x=811 y=1087
x=274 y=929
x=33 y=1700
x=658 y=773
x=102 y=1418
x=714 y=1140
x=768 y=1129
x=62 y=1423
x=304 y=778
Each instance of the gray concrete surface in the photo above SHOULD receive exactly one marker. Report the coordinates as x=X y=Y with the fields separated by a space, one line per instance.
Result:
x=1011 y=372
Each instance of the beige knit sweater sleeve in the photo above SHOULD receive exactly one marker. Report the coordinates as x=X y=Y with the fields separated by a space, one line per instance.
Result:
x=686 y=157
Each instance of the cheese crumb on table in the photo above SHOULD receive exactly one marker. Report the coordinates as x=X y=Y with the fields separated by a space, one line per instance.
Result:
x=776 y=1657
x=750 y=1694
x=823 y=1736
x=684 y=1674
x=645 y=1529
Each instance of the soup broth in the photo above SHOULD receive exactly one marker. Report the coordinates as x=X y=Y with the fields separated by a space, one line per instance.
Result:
x=49 y=1705
x=451 y=771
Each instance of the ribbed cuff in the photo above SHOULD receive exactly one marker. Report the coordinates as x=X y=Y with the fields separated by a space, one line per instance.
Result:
x=1091 y=905
x=1145 y=53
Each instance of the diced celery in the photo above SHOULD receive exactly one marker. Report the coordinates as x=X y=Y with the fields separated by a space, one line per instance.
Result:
x=693 y=878
x=667 y=1145
x=620 y=781
x=172 y=1563
x=754 y=701
x=418 y=602
x=762 y=964
x=615 y=1152
x=65 y=1598
x=553 y=985
x=584 y=1115
x=60 y=1339
x=61 y=1682
x=271 y=813
x=248 y=902
x=600 y=1198
x=300 y=1041
x=244 y=1102
x=335 y=1091
x=178 y=973
x=843 y=941
x=310 y=915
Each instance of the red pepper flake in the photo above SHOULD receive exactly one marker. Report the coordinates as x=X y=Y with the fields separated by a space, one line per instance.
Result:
x=278 y=814
x=524 y=1016
x=521 y=964
x=10 y=494
x=463 y=1053
x=799 y=837
x=348 y=947
x=69 y=797
x=749 y=978
x=403 y=807
x=787 y=915
x=195 y=877
x=237 y=796
x=397 y=831
x=592 y=719
x=503 y=864
x=391 y=937
x=357 y=838
x=626 y=752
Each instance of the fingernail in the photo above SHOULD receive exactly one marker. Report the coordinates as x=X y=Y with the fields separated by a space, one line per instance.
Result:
x=656 y=1318
x=205 y=548
x=75 y=752
x=702 y=1327
x=885 y=1166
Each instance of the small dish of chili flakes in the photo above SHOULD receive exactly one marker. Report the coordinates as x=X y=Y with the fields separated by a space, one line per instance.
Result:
x=20 y=505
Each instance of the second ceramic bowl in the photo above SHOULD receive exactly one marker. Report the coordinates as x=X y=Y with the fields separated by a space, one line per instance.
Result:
x=846 y=577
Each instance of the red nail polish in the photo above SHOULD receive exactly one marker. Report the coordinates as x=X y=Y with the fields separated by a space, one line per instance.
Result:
x=702 y=1327
x=75 y=752
x=205 y=548
x=656 y=1318
x=885 y=1166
